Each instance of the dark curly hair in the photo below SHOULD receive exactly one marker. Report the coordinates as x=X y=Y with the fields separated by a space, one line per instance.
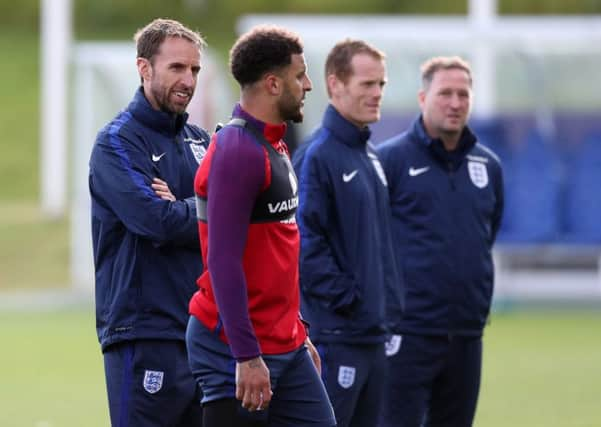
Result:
x=262 y=49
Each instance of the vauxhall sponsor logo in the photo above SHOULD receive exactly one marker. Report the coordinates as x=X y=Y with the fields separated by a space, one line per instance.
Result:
x=283 y=206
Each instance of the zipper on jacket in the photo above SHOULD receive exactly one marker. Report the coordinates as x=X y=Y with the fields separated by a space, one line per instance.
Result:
x=178 y=145
x=451 y=175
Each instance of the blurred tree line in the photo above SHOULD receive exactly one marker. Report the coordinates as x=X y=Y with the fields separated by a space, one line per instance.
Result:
x=117 y=19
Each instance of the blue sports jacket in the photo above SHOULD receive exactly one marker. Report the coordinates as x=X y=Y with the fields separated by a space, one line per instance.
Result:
x=349 y=281
x=146 y=250
x=446 y=211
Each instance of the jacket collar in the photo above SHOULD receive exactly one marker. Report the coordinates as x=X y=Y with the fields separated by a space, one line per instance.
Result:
x=272 y=133
x=347 y=132
x=169 y=124
x=467 y=140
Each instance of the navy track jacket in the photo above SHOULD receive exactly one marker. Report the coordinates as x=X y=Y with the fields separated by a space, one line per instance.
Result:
x=145 y=248
x=446 y=211
x=349 y=281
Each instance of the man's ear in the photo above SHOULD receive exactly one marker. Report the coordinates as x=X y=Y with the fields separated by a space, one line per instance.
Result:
x=421 y=98
x=334 y=85
x=144 y=68
x=273 y=84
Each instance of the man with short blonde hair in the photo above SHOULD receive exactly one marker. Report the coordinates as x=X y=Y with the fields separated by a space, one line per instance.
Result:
x=432 y=65
x=349 y=281
x=339 y=60
x=446 y=193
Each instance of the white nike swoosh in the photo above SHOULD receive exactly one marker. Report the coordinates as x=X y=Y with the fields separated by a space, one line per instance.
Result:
x=156 y=158
x=415 y=172
x=346 y=177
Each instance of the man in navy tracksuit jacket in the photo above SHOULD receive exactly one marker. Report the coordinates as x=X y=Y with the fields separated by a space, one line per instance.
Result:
x=348 y=276
x=145 y=235
x=447 y=199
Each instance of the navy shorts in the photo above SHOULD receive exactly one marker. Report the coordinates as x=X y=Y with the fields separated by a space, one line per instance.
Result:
x=354 y=377
x=299 y=397
x=433 y=381
x=149 y=384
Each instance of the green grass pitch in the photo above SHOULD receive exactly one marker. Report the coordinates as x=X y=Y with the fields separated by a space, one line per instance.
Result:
x=541 y=369
x=51 y=371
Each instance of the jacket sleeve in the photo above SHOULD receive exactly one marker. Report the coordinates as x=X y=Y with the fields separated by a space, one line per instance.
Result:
x=395 y=276
x=394 y=286
x=320 y=272
x=500 y=204
x=121 y=174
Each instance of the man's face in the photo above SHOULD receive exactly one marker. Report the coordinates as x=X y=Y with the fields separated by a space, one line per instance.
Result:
x=296 y=83
x=359 y=98
x=170 y=80
x=446 y=103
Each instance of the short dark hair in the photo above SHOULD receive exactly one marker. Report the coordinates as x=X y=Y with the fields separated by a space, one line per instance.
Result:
x=149 y=39
x=340 y=57
x=262 y=49
x=432 y=65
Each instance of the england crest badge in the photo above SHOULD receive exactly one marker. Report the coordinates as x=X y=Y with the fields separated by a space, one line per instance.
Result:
x=197 y=148
x=153 y=381
x=346 y=376
x=478 y=173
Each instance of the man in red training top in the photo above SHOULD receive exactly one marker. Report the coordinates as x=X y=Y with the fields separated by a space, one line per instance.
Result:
x=247 y=345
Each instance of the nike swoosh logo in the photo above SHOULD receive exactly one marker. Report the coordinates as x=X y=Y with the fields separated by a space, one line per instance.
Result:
x=346 y=177
x=415 y=172
x=156 y=158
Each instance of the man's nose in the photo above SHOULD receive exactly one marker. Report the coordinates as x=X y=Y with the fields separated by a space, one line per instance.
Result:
x=189 y=78
x=308 y=84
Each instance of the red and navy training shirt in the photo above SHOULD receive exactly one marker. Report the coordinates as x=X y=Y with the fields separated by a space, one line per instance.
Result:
x=247 y=193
